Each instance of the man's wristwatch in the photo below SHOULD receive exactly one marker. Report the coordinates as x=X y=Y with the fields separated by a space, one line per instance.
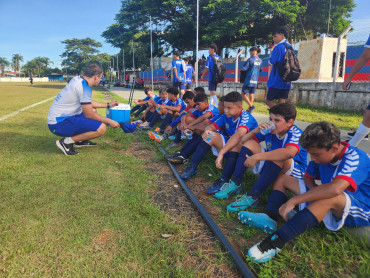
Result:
x=108 y=105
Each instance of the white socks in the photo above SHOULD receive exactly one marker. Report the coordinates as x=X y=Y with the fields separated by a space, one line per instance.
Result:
x=214 y=100
x=68 y=140
x=361 y=132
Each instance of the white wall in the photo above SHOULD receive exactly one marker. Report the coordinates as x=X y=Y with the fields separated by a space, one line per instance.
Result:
x=23 y=79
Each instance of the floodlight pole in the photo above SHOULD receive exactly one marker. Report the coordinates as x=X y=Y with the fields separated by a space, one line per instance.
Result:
x=133 y=58
x=117 y=68
x=197 y=48
x=151 y=50
x=123 y=64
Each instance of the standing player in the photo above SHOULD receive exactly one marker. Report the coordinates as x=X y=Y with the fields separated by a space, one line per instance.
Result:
x=189 y=74
x=179 y=73
x=212 y=87
x=73 y=112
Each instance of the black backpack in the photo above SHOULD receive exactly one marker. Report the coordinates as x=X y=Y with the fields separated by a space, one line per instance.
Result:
x=290 y=70
x=219 y=71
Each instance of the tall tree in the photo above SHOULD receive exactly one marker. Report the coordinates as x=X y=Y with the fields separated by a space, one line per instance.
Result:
x=38 y=66
x=3 y=63
x=78 y=53
x=16 y=62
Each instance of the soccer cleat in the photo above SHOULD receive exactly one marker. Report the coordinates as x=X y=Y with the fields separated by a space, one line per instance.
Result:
x=242 y=203
x=165 y=135
x=266 y=249
x=180 y=159
x=172 y=137
x=157 y=130
x=67 y=149
x=228 y=189
x=190 y=171
x=154 y=136
x=145 y=127
x=168 y=155
x=86 y=143
x=259 y=220
x=351 y=134
x=173 y=145
x=216 y=186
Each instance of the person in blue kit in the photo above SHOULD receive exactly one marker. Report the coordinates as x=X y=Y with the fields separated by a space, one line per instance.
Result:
x=253 y=67
x=103 y=81
x=153 y=105
x=73 y=113
x=283 y=156
x=278 y=89
x=189 y=74
x=236 y=123
x=212 y=87
x=342 y=199
x=142 y=104
x=179 y=72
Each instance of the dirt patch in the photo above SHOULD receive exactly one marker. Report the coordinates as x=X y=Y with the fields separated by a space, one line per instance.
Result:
x=203 y=248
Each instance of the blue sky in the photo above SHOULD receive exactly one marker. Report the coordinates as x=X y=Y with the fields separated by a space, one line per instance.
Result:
x=36 y=27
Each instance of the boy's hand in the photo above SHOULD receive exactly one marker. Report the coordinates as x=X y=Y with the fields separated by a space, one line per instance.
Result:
x=285 y=208
x=168 y=129
x=206 y=134
x=219 y=161
x=251 y=161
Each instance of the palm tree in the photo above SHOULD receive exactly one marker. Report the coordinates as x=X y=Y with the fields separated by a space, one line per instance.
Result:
x=16 y=61
x=3 y=63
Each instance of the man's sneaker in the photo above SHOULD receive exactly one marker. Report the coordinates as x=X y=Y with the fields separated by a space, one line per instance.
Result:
x=67 y=149
x=180 y=159
x=351 y=134
x=172 y=146
x=242 y=203
x=259 y=220
x=190 y=171
x=216 y=186
x=266 y=249
x=168 y=155
x=228 y=189
x=86 y=143
x=154 y=136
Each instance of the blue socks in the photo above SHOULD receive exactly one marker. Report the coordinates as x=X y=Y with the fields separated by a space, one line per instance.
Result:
x=178 y=137
x=200 y=153
x=269 y=174
x=229 y=167
x=239 y=167
x=166 y=121
x=155 y=118
x=300 y=223
x=141 y=109
x=148 y=116
x=191 y=145
x=276 y=199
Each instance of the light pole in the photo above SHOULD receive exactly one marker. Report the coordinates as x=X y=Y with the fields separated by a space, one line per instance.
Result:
x=151 y=50
x=197 y=47
x=123 y=64
x=133 y=59
x=117 y=68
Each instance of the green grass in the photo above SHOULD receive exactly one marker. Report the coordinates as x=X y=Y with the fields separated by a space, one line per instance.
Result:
x=89 y=215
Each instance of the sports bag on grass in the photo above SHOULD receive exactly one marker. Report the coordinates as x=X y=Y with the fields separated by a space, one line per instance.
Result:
x=219 y=71
x=290 y=70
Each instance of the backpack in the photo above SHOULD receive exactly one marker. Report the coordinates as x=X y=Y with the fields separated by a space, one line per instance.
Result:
x=290 y=70
x=219 y=71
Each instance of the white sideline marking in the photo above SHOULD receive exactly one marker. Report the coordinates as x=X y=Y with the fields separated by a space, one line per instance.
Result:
x=25 y=108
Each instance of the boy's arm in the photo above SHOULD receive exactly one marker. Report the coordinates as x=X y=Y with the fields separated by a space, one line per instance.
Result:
x=309 y=182
x=172 y=108
x=199 y=120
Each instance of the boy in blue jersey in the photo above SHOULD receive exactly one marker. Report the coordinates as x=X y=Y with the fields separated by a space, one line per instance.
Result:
x=179 y=72
x=283 y=155
x=236 y=123
x=189 y=74
x=342 y=199
x=153 y=105
x=253 y=67
x=212 y=86
x=73 y=112
x=142 y=104
x=278 y=89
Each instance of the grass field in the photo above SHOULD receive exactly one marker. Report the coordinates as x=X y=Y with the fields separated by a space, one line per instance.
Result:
x=92 y=214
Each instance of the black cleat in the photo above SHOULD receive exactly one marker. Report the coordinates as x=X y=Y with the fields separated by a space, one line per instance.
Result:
x=67 y=149
x=178 y=159
x=86 y=143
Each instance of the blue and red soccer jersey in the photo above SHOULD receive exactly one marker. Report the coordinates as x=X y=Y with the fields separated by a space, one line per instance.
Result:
x=210 y=64
x=178 y=102
x=164 y=102
x=154 y=97
x=211 y=109
x=189 y=74
x=245 y=120
x=291 y=138
x=181 y=68
x=253 y=67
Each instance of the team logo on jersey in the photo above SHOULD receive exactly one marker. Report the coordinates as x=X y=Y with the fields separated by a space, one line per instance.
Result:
x=268 y=145
x=227 y=126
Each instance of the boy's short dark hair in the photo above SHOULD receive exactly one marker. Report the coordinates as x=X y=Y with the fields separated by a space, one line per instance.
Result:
x=176 y=53
x=255 y=48
x=93 y=69
x=213 y=46
x=160 y=91
x=188 y=95
x=286 y=110
x=222 y=99
x=199 y=90
x=201 y=97
x=147 y=89
x=233 y=97
x=172 y=90
x=186 y=59
x=280 y=30
x=321 y=135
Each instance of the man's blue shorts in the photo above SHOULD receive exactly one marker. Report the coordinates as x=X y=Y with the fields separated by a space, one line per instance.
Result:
x=212 y=86
x=74 y=125
x=179 y=85
x=273 y=94
x=248 y=90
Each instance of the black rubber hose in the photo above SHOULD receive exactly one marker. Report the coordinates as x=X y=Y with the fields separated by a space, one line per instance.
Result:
x=243 y=268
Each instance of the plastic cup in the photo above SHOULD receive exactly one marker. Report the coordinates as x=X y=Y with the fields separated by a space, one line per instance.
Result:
x=268 y=130
x=210 y=136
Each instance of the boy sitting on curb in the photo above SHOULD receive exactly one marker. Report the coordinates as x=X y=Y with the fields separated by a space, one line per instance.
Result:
x=283 y=155
x=142 y=104
x=342 y=199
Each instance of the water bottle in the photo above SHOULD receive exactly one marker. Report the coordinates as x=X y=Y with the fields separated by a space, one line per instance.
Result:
x=211 y=134
x=268 y=130
x=290 y=214
x=158 y=109
x=189 y=134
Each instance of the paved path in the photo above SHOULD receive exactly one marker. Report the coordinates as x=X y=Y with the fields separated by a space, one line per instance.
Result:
x=125 y=93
